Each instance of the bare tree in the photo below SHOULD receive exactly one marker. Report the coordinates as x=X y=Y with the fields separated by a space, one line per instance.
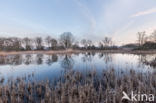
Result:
x=7 y=43
x=39 y=43
x=107 y=41
x=84 y=43
x=141 y=38
x=67 y=39
x=154 y=36
x=48 y=41
x=11 y=43
x=100 y=45
x=17 y=43
x=28 y=43
x=89 y=43
x=53 y=43
x=76 y=45
x=1 y=43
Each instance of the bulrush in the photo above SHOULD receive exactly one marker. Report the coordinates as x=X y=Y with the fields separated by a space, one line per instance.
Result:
x=1 y=91
x=40 y=90
x=29 y=87
x=2 y=80
x=1 y=101
x=47 y=93
x=13 y=99
x=76 y=87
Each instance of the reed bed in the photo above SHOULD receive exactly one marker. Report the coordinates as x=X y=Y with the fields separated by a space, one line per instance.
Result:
x=77 y=87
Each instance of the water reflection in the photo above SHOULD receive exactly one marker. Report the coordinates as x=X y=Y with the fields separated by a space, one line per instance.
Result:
x=141 y=60
x=48 y=66
x=2 y=60
x=51 y=59
x=67 y=62
x=28 y=59
x=148 y=60
x=11 y=60
x=108 y=58
x=153 y=63
x=101 y=55
x=39 y=59
x=87 y=57
x=15 y=60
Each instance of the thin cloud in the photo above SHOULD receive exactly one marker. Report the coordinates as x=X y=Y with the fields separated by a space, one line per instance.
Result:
x=86 y=11
x=146 y=12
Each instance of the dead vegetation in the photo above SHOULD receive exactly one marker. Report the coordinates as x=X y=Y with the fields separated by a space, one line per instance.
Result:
x=76 y=87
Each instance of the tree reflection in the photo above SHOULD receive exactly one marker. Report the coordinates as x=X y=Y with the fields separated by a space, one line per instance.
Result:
x=142 y=60
x=101 y=55
x=153 y=63
x=106 y=57
x=147 y=60
x=51 y=59
x=28 y=59
x=2 y=60
x=87 y=57
x=67 y=62
x=39 y=58
x=14 y=60
x=93 y=54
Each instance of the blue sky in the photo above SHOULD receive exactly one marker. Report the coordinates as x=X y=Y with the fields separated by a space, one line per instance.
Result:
x=92 y=19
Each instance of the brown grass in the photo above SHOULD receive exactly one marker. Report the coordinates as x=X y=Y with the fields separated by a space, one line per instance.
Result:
x=75 y=87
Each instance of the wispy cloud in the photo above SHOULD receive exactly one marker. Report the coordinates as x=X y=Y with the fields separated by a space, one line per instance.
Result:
x=87 y=13
x=146 y=12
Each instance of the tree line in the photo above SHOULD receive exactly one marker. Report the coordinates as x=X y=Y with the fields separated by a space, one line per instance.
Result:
x=146 y=41
x=65 y=41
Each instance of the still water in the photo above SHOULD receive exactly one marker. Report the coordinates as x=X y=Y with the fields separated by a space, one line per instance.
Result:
x=51 y=66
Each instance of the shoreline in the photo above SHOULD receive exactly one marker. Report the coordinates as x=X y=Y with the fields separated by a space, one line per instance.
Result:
x=2 y=53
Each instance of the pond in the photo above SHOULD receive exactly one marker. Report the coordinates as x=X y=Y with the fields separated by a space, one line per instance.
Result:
x=44 y=66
